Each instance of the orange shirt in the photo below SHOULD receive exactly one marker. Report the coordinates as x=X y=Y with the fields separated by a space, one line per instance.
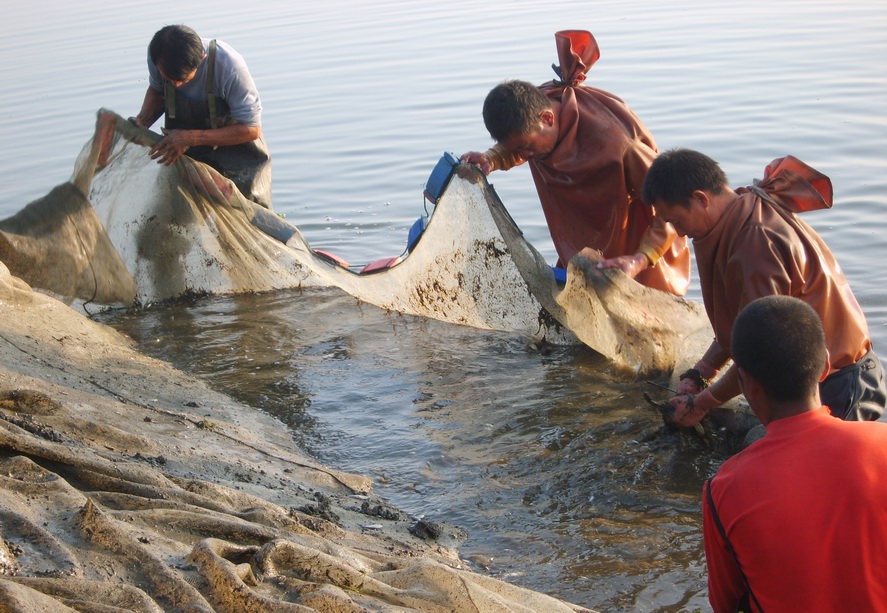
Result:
x=805 y=509
x=758 y=248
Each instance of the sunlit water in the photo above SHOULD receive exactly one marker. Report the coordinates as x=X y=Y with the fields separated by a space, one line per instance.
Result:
x=554 y=465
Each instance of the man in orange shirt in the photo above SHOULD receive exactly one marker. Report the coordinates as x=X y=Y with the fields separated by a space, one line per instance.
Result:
x=588 y=153
x=795 y=522
x=751 y=243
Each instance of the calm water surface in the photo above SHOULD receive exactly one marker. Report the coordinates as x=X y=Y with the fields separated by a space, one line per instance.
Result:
x=552 y=463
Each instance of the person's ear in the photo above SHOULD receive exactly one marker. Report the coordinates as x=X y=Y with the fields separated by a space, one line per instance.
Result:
x=547 y=118
x=702 y=197
x=827 y=367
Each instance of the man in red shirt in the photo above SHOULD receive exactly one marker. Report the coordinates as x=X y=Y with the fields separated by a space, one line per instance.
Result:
x=796 y=521
x=588 y=153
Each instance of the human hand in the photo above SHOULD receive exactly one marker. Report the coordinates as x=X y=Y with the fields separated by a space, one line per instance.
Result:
x=632 y=265
x=686 y=412
x=481 y=160
x=171 y=147
x=690 y=408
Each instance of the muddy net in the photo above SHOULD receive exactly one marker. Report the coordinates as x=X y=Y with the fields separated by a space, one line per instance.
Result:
x=127 y=230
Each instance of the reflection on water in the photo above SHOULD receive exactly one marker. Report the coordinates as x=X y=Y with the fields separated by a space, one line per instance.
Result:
x=561 y=474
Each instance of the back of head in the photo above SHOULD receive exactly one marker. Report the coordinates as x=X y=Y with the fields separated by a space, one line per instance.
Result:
x=513 y=107
x=779 y=341
x=177 y=49
x=675 y=174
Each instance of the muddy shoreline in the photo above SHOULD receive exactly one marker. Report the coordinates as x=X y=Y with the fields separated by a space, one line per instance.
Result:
x=129 y=485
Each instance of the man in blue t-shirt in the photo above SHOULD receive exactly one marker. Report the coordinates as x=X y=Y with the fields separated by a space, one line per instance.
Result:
x=212 y=107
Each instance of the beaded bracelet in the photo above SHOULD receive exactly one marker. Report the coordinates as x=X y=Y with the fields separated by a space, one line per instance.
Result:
x=696 y=376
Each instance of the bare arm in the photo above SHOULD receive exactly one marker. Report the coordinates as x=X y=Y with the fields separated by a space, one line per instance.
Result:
x=152 y=109
x=176 y=142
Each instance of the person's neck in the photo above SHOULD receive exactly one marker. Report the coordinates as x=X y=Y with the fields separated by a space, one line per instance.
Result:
x=721 y=201
x=782 y=410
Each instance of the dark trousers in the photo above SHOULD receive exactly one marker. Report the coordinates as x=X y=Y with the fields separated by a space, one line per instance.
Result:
x=857 y=392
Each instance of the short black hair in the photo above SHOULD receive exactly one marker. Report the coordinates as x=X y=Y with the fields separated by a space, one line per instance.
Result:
x=177 y=49
x=513 y=107
x=675 y=174
x=779 y=341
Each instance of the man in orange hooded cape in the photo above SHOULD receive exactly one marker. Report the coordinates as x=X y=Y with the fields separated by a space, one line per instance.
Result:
x=588 y=154
x=751 y=243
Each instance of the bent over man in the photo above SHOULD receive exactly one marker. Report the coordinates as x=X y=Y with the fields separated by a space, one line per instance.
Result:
x=751 y=243
x=588 y=153
x=212 y=107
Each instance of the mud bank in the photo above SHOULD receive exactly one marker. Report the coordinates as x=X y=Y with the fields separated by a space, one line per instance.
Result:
x=130 y=486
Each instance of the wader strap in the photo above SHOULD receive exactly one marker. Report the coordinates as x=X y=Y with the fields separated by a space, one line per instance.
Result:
x=169 y=95
x=210 y=84
x=169 y=90
x=740 y=608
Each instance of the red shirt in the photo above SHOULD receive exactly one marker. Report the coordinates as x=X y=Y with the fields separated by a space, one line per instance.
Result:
x=805 y=509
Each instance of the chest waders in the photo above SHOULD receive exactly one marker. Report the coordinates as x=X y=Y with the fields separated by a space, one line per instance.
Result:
x=248 y=165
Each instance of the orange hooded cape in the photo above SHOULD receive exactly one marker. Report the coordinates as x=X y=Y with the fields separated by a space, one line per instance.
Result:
x=759 y=246
x=590 y=183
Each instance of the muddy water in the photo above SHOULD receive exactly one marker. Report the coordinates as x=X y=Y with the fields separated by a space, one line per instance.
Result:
x=560 y=473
